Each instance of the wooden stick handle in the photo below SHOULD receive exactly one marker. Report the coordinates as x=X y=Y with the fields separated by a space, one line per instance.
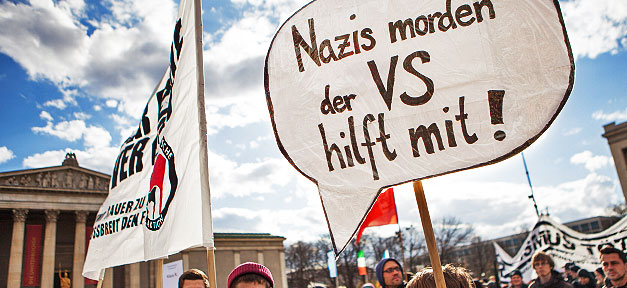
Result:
x=159 y=276
x=211 y=267
x=429 y=235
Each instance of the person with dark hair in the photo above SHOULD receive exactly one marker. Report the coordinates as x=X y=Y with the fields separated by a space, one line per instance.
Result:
x=584 y=279
x=599 y=275
x=390 y=273
x=547 y=276
x=193 y=278
x=568 y=277
x=250 y=275
x=572 y=275
x=454 y=277
x=614 y=264
x=516 y=280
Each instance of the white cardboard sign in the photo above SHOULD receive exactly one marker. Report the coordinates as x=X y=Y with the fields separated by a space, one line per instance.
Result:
x=367 y=94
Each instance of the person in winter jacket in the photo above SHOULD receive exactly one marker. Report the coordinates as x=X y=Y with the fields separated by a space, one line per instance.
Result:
x=390 y=273
x=547 y=276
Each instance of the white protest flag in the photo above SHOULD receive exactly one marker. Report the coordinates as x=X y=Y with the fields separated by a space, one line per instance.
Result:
x=368 y=94
x=159 y=202
x=563 y=244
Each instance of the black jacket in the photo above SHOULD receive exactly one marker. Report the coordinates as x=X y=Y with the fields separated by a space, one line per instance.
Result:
x=556 y=281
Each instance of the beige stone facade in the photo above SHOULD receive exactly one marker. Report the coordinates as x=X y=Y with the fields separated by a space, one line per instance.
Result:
x=63 y=201
x=616 y=136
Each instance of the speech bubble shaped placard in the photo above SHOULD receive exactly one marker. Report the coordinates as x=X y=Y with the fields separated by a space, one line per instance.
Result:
x=367 y=94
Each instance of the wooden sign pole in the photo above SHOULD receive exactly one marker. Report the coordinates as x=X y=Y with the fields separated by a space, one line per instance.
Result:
x=211 y=267
x=159 y=276
x=429 y=236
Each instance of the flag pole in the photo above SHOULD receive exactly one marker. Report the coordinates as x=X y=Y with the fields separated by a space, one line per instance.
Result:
x=159 y=272
x=429 y=235
x=202 y=119
x=211 y=266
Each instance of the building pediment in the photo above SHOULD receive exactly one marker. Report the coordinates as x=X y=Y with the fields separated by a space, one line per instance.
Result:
x=67 y=178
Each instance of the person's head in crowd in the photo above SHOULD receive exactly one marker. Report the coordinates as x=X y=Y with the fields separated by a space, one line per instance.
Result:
x=250 y=275
x=516 y=278
x=573 y=270
x=454 y=277
x=193 y=278
x=584 y=277
x=542 y=263
x=614 y=264
x=367 y=285
x=599 y=275
x=389 y=273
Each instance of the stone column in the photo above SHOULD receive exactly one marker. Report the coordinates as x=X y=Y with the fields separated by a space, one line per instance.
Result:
x=79 y=250
x=50 y=239
x=260 y=259
x=236 y=258
x=17 y=248
x=283 y=269
x=185 y=256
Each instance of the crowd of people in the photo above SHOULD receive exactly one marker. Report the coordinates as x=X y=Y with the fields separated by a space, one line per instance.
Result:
x=610 y=275
x=390 y=275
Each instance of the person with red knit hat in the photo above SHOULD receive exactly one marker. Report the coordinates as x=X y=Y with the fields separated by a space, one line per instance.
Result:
x=250 y=275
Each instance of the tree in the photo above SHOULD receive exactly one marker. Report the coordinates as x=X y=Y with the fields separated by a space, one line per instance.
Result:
x=449 y=234
x=300 y=259
x=415 y=246
x=617 y=210
x=481 y=257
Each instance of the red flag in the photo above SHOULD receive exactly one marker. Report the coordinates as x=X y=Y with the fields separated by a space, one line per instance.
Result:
x=383 y=212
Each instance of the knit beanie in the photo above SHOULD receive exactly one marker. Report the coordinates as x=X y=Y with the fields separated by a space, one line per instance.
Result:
x=379 y=270
x=248 y=268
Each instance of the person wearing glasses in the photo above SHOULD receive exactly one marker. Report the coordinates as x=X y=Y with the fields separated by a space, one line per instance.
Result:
x=390 y=273
x=547 y=276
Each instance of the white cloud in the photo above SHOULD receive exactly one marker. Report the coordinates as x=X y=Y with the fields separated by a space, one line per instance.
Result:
x=111 y=103
x=121 y=59
x=81 y=116
x=590 y=161
x=610 y=117
x=57 y=103
x=46 y=116
x=66 y=130
x=261 y=177
x=5 y=154
x=99 y=159
x=470 y=201
x=595 y=26
x=97 y=137
x=573 y=131
x=74 y=130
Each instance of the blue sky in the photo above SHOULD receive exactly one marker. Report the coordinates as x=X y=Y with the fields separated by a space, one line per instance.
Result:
x=75 y=76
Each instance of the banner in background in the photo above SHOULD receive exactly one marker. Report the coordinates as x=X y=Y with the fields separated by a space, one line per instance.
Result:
x=32 y=255
x=563 y=244
x=332 y=265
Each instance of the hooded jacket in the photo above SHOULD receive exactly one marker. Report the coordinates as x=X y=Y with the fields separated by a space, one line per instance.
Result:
x=379 y=271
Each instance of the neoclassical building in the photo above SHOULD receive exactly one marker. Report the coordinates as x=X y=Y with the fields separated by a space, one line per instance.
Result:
x=46 y=215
